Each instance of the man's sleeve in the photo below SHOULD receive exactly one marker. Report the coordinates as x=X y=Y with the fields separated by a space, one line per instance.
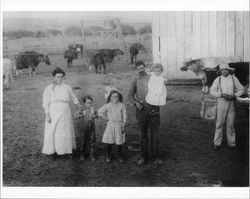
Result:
x=132 y=91
x=239 y=87
x=214 y=88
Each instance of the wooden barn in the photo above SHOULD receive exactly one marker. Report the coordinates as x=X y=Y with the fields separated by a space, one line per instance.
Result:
x=179 y=35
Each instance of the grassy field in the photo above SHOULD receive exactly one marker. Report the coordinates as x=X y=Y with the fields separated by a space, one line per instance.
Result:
x=185 y=140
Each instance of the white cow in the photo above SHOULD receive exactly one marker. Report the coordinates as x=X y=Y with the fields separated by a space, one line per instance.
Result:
x=198 y=66
x=8 y=67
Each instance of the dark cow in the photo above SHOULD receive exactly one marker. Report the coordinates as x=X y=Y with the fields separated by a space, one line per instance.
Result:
x=70 y=54
x=208 y=75
x=104 y=57
x=134 y=50
x=30 y=60
x=110 y=53
x=77 y=46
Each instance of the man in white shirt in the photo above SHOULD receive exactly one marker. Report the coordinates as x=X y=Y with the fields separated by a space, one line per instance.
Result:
x=225 y=88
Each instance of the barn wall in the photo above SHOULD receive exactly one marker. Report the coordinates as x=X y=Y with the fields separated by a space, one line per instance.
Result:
x=181 y=35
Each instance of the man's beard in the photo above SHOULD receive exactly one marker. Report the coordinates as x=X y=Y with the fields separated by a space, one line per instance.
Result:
x=142 y=73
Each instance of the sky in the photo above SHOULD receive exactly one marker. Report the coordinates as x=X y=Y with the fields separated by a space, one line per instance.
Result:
x=131 y=16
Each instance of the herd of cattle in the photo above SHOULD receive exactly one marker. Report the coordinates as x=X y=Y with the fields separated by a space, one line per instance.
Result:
x=31 y=59
x=206 y=68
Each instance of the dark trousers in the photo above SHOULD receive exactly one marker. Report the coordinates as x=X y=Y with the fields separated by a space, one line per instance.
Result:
x=86 y=137
x=149 y=119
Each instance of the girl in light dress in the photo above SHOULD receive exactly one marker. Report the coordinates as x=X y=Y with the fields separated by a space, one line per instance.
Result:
x=115 y=112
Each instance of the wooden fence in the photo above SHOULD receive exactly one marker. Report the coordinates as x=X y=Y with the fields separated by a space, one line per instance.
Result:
x=58 y=45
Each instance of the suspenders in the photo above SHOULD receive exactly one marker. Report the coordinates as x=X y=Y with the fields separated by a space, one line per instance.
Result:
x=234 y=88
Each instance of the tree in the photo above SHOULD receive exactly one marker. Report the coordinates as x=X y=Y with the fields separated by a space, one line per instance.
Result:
x=19 y=34
x=145 y=29
x=92 y=30
x=53 y=32
x=128 y=29
x=40 y=34
x=73 y=30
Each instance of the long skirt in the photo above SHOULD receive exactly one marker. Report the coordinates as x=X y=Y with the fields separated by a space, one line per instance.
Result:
x=59 y=135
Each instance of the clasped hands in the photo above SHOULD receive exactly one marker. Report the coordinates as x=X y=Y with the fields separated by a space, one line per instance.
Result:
x=228 y=96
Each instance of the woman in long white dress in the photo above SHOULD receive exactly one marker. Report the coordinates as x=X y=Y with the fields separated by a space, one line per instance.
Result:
x=59 y=137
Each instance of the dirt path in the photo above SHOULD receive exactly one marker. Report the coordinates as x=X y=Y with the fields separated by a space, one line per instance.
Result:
x=186 y=141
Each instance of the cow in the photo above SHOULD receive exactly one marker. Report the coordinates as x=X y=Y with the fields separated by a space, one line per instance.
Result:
x=110 y=53
x=134 y=50
x=8 y=68
x=77 y=46
x=30 y=60
x=70 y=54
x=104 y=57
x=205 y=68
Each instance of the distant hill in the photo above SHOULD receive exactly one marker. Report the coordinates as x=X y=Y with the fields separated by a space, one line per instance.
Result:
x=34 y=24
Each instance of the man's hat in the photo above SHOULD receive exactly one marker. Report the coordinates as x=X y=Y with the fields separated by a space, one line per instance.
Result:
x=225 y=66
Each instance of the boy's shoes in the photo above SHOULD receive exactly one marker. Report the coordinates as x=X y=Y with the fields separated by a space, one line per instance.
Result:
x=158 y=161
x=232 y=147
x=82 y=158
x=54 y=157
x=121 y=159
x=216 y=148
x=134 y=148
x=93 y=158
x=70 y=156
x=108 y=158
x=141 y=161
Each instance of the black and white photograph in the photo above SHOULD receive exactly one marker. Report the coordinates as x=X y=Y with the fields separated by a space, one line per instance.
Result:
x=133 y=99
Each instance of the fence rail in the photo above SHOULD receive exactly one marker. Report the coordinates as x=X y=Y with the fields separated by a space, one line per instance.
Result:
x=58 y=45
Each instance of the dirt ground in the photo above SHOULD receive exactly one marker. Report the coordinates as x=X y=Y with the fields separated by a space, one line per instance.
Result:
x=185 y=140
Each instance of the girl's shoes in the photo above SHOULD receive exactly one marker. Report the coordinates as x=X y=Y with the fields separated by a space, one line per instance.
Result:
x=82 y=158
x=121 y=159
x=108 y=158
x=93 y=158
x=54 y=157
x=158 y=161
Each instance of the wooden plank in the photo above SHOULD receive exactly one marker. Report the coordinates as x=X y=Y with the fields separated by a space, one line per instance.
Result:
x=156 y=50
x=163 y=21
x=212 y=29
x=221 y=27
x=188 y=42
x=171 y=47
x=164 y=49
x=230 y=39
x=246 y=37
x=188 y=45
x=204 y=34
x=196 y=35
x=156 y=24
x=180 y=43
x=239 y=34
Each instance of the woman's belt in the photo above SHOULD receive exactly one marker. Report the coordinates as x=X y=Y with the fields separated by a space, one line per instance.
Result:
x=115 y=121
x=63 y=101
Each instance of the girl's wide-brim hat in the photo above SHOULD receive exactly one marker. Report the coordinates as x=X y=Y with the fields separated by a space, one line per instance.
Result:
x=225 y=66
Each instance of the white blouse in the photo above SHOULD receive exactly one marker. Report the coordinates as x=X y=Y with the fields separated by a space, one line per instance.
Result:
x=58 y=93
x=157 y=92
